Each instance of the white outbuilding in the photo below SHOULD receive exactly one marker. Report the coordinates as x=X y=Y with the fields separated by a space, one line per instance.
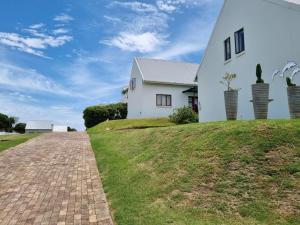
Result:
x=157 y=87
x=44 y=126
x=247 y=33
x=39 y=126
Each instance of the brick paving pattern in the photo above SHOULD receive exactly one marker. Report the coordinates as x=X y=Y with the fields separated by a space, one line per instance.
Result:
x=52 y=179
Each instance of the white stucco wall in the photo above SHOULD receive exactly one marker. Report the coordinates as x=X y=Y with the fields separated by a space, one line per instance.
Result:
x=149 y=108
x=135 y=96
x=60 y=128
x=272 y=37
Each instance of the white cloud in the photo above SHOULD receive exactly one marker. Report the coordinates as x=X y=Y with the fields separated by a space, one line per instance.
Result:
x=20 y=79
x=136 y=6
x=112 y=19
x=60 y=31
x=37 y=26
x=189 y=41
x=144 y=42
x=171 y=6
x=63 y=18
x=35 y=44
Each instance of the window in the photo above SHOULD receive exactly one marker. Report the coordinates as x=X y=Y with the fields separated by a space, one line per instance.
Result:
x=227 y=47
x=239 y=41
x=163 y=100
x=133 y=84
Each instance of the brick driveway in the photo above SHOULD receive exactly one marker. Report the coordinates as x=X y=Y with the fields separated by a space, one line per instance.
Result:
x=52 y=179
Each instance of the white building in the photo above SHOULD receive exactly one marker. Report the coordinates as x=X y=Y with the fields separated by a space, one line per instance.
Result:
x=39 y=126
x=157 y=87
x=247 y=33
x=44 y=126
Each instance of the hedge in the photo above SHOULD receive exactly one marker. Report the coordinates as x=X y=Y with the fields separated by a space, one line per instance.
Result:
x=94 y=115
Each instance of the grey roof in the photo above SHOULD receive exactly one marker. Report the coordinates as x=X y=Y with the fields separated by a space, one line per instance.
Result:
x=167 y=72
x=39 y=125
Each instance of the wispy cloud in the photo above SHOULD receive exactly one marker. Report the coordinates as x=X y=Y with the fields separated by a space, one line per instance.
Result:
x=144 y=42
x=37 y=26
x=60 y=31
x=135 y=6
x=63 y=18
x=36 y=39
x=19 y=79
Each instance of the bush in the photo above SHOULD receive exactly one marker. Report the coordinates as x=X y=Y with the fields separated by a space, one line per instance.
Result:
x=20 y=128
x=259 y=74
x=94 y=115
x=184 y=115
x=70 y=129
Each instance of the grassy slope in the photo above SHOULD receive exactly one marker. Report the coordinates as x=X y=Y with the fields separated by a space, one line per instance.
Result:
x=8 y=141
x=214 y=173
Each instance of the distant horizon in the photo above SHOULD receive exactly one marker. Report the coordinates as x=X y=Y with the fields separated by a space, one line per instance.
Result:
x=61 y=57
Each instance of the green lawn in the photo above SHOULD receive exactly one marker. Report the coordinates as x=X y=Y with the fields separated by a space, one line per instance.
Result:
x=212 y=173
x=8 y=141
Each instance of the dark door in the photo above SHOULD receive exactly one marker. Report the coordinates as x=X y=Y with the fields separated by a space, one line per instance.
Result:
x=193 y=103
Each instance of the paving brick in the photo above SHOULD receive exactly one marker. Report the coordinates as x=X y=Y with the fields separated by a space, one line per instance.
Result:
x=52 y=180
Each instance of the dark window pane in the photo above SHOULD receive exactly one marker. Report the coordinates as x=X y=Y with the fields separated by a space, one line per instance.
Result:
x=239 y=38
x=227 y=49
x=158 y=100
x=169 y=100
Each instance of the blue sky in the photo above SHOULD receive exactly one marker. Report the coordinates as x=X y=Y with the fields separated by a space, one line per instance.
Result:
x=58 y=57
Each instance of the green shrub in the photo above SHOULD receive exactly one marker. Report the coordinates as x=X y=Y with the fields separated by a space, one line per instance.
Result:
x=20 y=128
x=94 y=115
x=184 y=115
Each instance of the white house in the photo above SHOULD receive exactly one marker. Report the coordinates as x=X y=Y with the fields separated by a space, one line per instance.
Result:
x=44 y=126
x=247 y=33
x=157 y=87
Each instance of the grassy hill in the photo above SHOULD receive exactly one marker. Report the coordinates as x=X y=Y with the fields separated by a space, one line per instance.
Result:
x=214 y=173
x=9 y=141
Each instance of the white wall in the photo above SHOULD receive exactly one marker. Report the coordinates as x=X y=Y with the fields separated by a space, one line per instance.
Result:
x=135 y=96
x=149 y=108
x=58 y=128
x=272 y=37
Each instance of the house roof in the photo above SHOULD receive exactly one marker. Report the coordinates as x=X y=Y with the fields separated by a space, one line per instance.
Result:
x=39 y=125
x=167 y=72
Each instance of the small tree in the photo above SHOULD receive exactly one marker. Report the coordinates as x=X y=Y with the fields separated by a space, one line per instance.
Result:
x=227 y=79
x=259 y=74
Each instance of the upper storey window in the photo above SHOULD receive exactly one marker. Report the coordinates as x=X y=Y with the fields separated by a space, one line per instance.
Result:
x=239 y=41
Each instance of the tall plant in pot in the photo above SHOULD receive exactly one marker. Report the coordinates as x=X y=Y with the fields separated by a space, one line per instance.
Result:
x=230 y=96
x=293 y=92
x=260 y=95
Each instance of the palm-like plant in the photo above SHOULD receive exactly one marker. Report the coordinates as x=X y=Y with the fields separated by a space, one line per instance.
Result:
x=227 y=79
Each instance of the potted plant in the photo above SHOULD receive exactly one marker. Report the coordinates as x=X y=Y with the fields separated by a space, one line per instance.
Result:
x=230 y=96
x=293 y=92
x=260 y=95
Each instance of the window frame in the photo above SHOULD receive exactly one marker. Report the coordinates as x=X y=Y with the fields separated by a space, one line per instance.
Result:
x=227 y=55
x=164 y=104
x=133 y=84
x=239 y=41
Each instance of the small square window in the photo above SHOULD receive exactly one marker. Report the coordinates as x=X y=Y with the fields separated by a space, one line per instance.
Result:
x=227 y=48
x=239 y=41
x=163 y=100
